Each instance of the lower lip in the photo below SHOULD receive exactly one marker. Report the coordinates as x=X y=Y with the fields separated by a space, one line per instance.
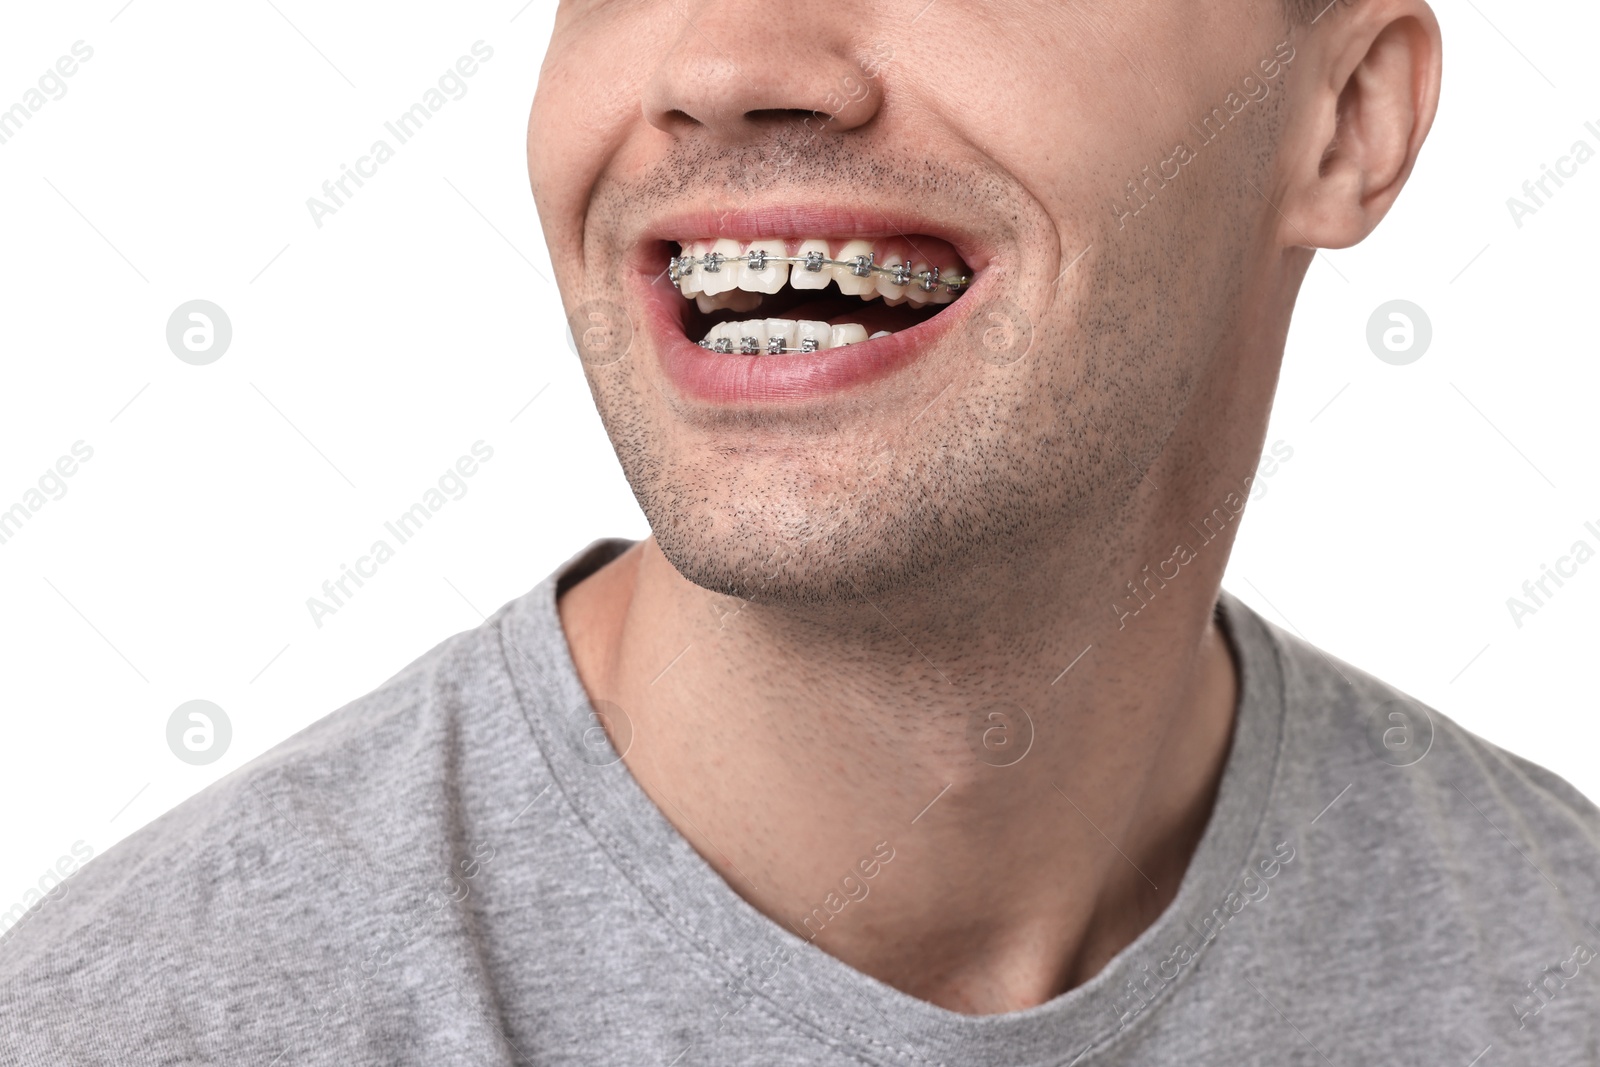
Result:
x=739 y=380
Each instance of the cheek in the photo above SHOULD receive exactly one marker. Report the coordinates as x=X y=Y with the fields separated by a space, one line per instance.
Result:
x=579 y=123
x=561 y=144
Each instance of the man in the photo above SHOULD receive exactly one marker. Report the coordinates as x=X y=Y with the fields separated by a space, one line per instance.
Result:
x=937 y=342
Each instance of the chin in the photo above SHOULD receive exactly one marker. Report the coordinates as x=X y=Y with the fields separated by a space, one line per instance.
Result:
x=831 y=556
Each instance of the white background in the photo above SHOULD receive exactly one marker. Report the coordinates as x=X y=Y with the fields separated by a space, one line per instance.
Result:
x=370 y=353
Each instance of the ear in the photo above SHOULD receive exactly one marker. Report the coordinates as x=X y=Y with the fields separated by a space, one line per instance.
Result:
x=1370 y=89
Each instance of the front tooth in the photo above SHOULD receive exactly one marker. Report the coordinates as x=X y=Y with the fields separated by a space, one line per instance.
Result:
x=800 y=278
x=787 y=329
x=771 y=278
x=844 y=275
x=732 y=300
x=881 y=333
x=726 y=276
x=750 y=337
x=810 y=329
x=848 y=334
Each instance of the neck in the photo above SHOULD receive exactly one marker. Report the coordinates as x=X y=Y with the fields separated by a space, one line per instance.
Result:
x=1038 y=769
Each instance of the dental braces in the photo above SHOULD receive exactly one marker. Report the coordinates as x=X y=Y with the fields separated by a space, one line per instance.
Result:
x=680 y=267
x=751 y=346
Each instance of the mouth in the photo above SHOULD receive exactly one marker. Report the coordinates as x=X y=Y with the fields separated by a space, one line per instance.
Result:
x=784 y=305
x=804 y=295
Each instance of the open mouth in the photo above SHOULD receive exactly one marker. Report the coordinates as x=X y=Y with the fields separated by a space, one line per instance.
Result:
x=782 y=296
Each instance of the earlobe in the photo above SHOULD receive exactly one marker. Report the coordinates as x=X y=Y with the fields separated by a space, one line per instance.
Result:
x=1354 y=136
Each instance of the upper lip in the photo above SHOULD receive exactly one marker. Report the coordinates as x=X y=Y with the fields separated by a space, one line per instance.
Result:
x=790 y=220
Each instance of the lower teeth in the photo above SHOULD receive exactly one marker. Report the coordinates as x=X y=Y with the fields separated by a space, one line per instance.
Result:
x=775 y=337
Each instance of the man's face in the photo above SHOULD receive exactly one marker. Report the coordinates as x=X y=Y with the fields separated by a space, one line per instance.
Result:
x=1032 y=146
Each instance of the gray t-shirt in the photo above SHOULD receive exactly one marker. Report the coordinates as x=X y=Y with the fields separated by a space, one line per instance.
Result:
x=457 y=869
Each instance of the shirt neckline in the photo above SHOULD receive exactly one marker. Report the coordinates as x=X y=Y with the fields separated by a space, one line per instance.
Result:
x=767 y=969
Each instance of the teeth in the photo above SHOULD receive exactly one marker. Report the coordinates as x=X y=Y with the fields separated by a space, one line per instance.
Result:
x=848 y=278
x=848 y=334
x=932 y=286
x=804 y=278
x=724 y=275
x=732 y=300
x=725 y=338
x=771 y=278
x=754 y=337
x=917 y=292
x=894 y=294
x=719 y=275
x=814 y=336
x=786 y=330
x=689 y=283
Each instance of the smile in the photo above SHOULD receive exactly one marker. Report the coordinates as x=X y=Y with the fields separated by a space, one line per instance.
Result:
x=815 y=294
x=787 y=304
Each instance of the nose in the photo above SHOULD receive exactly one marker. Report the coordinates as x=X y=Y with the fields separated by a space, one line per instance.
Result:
x=737 y=68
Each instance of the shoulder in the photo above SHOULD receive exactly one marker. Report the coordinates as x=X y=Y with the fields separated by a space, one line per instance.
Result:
x=1418 y=779
x=1433 y=869
x=243 y=893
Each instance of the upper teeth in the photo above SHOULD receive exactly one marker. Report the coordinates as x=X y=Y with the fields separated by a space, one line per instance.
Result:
x=707 y=270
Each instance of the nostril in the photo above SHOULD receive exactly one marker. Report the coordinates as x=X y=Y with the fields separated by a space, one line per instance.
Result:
x=773 y=115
